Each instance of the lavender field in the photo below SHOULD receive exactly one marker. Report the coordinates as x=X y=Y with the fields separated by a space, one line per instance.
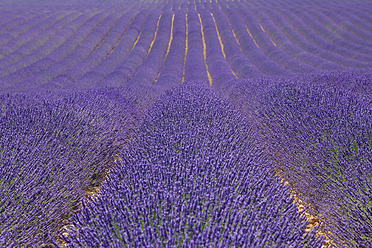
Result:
x=178 y=123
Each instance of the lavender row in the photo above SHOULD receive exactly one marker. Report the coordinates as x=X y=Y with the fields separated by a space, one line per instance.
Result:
x=275 y=34
x=19 y=20
x=281 y=41
x=150 y=68
x=358 y=19
x=268 y=47
x=234 y=56
x=339 y=36
x=363 y=13
x=88 y=46
x=24 y=66
x=317 y=130
x=218 y=67
x=6 y=17
x=305 y=60
x=21 y=29
x=172 y=71
x=192 y=177
x=321 y=49
x=316 y=46
x=286 y=39
x=38 y=41
x=120 y=52
x=304 y=50
x=67 y=48
x=195 y=67
x=126 y=69
x=35 y=26
x=73 y=3
x=357 y=83
x=301 y=3
x=144 y=95
x=249 y=48
x=31 y=33
x=67 y=78
x=349 y=30
x=326 y=54
x=54 y=147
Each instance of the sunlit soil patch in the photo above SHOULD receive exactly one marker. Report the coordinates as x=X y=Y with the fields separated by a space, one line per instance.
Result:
x=205 y=51
x=314 y=221
x=91 y=193
x=252 y=36
x=156 y=32
x=184 y=59
x=221 y=43
x=168 y=47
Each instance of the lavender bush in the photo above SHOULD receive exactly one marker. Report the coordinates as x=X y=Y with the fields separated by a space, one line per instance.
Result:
x=53 y=147
x=192 y=176
x=319 y=136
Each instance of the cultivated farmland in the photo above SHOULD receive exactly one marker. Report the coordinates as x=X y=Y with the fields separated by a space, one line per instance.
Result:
x=178 y=123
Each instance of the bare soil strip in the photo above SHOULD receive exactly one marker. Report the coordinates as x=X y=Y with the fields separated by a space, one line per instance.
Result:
x=314 y=220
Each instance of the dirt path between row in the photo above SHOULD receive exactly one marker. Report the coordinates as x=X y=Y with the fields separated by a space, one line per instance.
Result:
x=314 y=220
x=92 y=193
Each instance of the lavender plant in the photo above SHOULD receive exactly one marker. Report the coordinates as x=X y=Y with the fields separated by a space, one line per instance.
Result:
x=52 y=148
x=218 y=67
x=319 y=136
x=198 y=172
x=192 y=176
